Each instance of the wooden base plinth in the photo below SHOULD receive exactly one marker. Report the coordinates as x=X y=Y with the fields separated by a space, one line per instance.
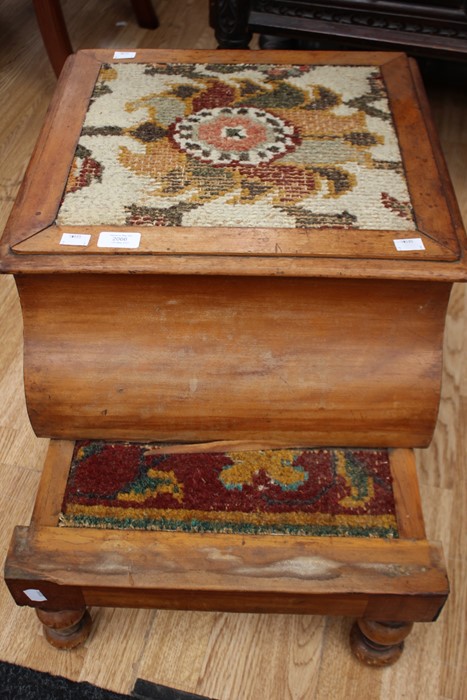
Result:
x=395 y=581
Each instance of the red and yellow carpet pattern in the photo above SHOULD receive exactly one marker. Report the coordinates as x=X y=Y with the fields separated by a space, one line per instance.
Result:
x=338 y=492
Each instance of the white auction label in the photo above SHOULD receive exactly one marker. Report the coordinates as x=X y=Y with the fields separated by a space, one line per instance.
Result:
x=124 y=54
x=117 y=239
x=409 y=244
x=35 y=594
x=75 y=239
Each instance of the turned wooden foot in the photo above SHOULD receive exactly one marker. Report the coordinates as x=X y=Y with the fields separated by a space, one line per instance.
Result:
x=66 y=629
x=378 y=643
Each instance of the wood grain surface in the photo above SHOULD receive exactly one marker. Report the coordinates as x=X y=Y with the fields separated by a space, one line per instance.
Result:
x=180 y=358
x=225 y=656
x=364 y=577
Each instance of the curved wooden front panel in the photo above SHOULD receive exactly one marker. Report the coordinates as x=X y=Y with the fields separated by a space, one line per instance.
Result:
x=299 y=361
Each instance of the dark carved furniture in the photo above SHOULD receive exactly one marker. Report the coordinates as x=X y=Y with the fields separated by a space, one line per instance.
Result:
x=427 y=28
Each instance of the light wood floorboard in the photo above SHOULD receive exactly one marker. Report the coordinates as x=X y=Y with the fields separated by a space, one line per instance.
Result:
x=229 y=657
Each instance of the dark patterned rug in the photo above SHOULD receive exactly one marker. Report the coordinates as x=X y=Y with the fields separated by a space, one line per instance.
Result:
x=339 y=492
x=21 y=683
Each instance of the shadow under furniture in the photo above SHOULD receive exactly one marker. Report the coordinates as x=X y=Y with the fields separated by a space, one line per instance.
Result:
x=235 y=251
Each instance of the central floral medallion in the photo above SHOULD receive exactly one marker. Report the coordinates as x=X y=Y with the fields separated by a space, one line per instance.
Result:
x=233 y=136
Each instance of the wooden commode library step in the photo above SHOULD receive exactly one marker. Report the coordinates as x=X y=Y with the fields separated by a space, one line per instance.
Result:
x=248 y=248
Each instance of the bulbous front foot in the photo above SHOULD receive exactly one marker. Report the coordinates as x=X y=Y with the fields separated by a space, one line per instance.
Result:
x=66 y=629
x=378 y=643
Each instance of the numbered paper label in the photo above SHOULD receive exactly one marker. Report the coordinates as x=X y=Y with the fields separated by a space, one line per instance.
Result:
x=124 y=54
x=114 y=239
x=75 y=239
x=35 y=595
x=409 y=244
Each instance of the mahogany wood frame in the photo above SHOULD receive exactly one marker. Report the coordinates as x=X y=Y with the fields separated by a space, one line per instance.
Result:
x=74 y=333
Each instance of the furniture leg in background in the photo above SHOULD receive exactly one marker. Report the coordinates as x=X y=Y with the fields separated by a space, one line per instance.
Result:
x=55 y=35
x=229 y=19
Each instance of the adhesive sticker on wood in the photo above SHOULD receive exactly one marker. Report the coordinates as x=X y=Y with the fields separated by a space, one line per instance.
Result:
x=409 y=244
x=35 y=595
x=75 y=239
x=124 y=54
x=117 y=239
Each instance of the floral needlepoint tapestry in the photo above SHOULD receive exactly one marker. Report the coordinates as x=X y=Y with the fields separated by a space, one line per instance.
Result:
x=244 y=145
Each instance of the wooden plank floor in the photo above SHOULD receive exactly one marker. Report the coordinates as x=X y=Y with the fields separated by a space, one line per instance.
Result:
x=225 y=656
